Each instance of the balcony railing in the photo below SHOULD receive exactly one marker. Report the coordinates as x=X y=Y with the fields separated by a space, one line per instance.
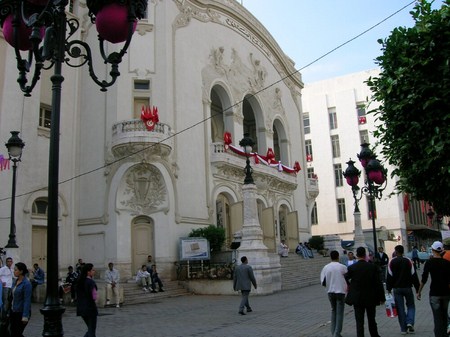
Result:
x=133 y=132
x=264 y=176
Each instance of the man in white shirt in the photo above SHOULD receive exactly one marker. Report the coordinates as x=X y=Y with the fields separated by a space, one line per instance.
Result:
x=112 y=278
x=6 y=277
x=332 y=277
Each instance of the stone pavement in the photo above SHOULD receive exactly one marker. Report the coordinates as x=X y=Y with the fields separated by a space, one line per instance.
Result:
x=302 y=312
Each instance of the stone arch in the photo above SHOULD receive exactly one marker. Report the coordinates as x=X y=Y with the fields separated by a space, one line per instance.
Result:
x=280 y=141
x=254 y=122
x=221 y=112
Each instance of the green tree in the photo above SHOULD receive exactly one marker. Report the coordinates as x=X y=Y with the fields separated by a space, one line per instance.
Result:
x=215 y=235
x=413 y=118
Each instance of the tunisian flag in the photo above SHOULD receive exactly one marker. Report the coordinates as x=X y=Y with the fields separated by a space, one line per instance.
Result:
x=405 y=203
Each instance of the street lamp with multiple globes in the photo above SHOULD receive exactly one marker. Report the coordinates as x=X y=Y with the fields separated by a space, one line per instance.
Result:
x=15 y=146
x=247 y=144
x=41 y=29
x=374 y=184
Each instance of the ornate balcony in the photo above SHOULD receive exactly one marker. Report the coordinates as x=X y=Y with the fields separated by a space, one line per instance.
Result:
x=131 y=136
x=230 y=166
x=312 y=187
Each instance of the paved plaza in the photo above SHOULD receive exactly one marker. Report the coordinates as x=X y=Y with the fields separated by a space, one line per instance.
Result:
x=303 y=312
x=294 y=313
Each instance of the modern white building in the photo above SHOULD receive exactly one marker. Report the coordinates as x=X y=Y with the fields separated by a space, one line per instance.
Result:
x=336 y=123
x=125 y=192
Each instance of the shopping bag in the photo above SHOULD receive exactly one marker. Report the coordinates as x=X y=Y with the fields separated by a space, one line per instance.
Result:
x=391 y=308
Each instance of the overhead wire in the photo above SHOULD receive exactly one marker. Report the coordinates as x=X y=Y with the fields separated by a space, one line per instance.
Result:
x=213 y=115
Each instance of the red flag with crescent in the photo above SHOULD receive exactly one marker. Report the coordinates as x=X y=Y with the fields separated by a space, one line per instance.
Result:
x=150 y=117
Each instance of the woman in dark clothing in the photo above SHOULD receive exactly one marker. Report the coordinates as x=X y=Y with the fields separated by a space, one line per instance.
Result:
x=21 y=302
x=86 y=297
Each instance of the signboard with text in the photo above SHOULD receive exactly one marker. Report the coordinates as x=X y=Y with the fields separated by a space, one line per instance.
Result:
x=194 y=249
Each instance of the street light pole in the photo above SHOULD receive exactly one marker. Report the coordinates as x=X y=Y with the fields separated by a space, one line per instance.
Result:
x=15 y=146
x=27 y=23
x=247 y=144
x=374 y=184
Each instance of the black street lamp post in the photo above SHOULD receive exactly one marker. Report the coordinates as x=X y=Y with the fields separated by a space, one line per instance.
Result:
x=374 y=185
x=27 y=23
x=15 y=146
x=247 y=143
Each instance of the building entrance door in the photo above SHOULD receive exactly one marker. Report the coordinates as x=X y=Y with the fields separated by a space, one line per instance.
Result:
x=39 y=246
x=142 y=242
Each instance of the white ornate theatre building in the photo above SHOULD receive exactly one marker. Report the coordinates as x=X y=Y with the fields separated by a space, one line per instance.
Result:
x=125 y=192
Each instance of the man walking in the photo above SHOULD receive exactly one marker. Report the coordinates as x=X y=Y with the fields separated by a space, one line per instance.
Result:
x=439 y=270
x=366 y=292
x=242 y=280
x=401 y=277
x=332 y=277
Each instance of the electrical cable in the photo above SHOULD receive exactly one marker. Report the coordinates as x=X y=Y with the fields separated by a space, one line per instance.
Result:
x=213 y=115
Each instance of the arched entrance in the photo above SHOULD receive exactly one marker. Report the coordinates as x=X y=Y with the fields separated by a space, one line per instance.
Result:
x=142 y=241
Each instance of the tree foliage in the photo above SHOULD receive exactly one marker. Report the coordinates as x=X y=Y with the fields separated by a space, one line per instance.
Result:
x=413 y=119
x=215 y=236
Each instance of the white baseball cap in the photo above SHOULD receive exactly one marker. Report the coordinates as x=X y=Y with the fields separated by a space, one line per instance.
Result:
x=437 y=246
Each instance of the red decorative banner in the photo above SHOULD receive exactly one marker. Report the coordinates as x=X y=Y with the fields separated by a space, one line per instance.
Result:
x=268 y=159
x=149 y=117
x=4 y=163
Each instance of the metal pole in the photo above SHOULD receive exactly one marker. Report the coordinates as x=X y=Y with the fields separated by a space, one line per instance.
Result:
x=12 y=229
x=52 y=309
x=372 y=210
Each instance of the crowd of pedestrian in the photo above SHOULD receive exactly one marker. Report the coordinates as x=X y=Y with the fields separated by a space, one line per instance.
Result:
x=365 y=283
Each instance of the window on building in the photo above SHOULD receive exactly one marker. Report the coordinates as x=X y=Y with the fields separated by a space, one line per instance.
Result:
x=71 y=6
x=333 y=118
x=308 y=150
x=141 y=96
x=361 y=111
x=364 y=136
x=335 y=147
x=314 y=217
x=40 y=207
x=306 y=125
x=338 y=177
x=45 y=116
x=342 y=217
x=310 y=172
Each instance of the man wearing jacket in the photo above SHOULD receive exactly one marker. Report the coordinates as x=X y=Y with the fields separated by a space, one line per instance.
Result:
x=242 y=280
x=401 y=277
x=365 y=292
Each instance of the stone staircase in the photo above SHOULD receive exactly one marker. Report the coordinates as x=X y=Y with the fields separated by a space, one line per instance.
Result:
x=297 y=272
x=133 y=294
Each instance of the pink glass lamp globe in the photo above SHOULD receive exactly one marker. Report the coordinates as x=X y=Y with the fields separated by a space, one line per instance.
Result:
x=377 y=177
x=112 y=23
x=24 y=33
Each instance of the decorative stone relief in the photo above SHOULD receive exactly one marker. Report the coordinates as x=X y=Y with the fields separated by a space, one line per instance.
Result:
x=143 y=190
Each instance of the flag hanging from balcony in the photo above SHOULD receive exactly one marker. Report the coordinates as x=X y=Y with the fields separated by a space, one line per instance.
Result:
x=268 y=159
x=150 y=117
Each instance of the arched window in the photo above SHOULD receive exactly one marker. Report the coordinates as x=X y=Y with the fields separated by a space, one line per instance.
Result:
x=40 y=207
x=223 y=217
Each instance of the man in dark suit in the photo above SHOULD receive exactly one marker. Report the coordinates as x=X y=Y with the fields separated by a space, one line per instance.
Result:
x=365 y=292
x=242 y=280
x=383 y=261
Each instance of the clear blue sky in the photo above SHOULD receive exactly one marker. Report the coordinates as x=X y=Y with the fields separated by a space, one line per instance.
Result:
x=308 y=29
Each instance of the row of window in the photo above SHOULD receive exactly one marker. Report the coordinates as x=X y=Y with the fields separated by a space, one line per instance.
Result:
x=335 y=145
x=332 y=118
x=342 y=216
